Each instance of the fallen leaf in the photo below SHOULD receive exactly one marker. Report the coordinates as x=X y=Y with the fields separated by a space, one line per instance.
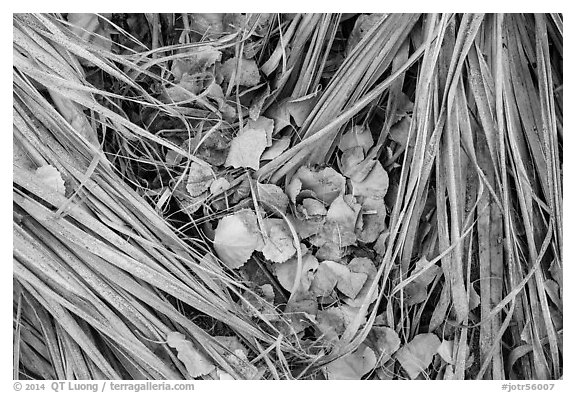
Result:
x=219 y=185
x=279 y=244
x=272 y=195
x=286 y=272
x=362 y=26
x=52 y=178
x=326 y=183
x=214 y=91
x=445 y=351
x=324 y=281
x=399 y=132
x=91 y=28
x=246 y=75
x=341 y=222
x=293 y=189
x=262 y=123
x=385 y=342
x=357 y=136
x=331 y=274
x=195 y=362
x=198 y=59
x=300 y=108
x=312 y=208
x=374 y=185
x=278 y=147
x=366 y=266
x=331 y=323
x=301 y=313
x=200 y=177
x=372 y=217
x=236 y=238
x=417 y=355
x=353 y=365
x=246 y=149
x=350 y=161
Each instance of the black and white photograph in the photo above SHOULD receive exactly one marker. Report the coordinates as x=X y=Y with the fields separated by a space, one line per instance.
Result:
x=286 y=196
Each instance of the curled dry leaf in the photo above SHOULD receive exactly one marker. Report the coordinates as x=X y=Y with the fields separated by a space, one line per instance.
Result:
x=417 y=355
x=237 y=237
x=326 y=183
x=353 y=365
x=286 y=272
x=200 y=177
x=195 y=362
x=52 y=178
x=357 y=136
x=196 y=60
x=279 y=244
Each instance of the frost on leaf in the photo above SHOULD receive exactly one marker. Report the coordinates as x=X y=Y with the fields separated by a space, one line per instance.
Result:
x=417 y=355
x=286 y=272
x=372 y=219
x=200 y=177
x=366 y=266
x=326 y=183
x=196 y=363
x=350 y=161
x=341 y=217
x=311 y=208
x=52 y=178
x=278 y=147
x=236 y=238
x=374 y=185
x=246 y=75
x=384 y=341
x=272 y=195
x=362 y=26
x=332 y=274
x=197 y=60
x=445 y=351
x=357 y=136
x=219 y=185
x=353 y=365
x=246 y=149
x=279 y=243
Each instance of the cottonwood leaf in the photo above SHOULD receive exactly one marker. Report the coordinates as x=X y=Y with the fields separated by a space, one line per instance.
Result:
x=200 y=177
x=286 y=272
x=353 y=365
x=52 y=178
x=324 y=280
x=214 y=91
x=198 y=59
x=372 y=218
x=300 y=108
x=417 y=355
x=366 y=266
x=350 y=161
x=278 y=147
x=362 y=26
x=385 y=342
x=357 y=136
x=374 y=185
x=273 y=195
x=331 y=323
x=326 y=183
x=399 y=132
x=219 y=185
x=348 y=282
x=196 y=363
x=341 y=222
x=279 y=244
x=246 y=75
x=445 y=351
x=236 y=238
x=312 y=208
x=246 y=149
x=262 y=123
